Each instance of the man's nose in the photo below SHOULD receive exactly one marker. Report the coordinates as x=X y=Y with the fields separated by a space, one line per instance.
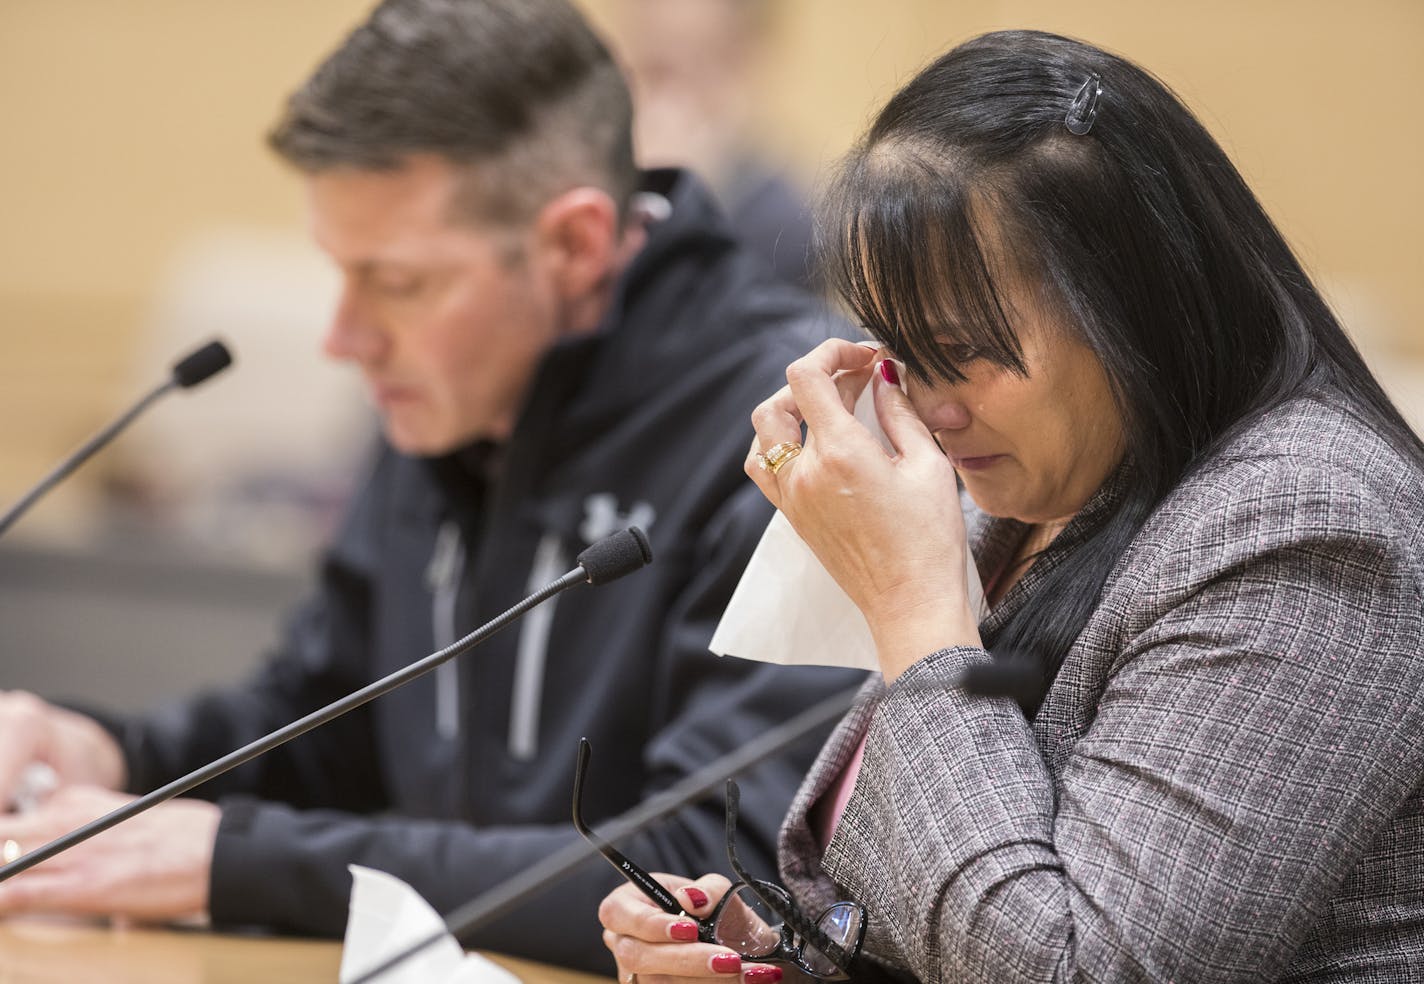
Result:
x=353 y=334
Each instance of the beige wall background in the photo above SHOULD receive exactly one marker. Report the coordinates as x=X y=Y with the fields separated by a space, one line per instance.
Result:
x=130 y=127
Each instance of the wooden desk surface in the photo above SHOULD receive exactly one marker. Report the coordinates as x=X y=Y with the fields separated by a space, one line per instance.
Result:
x=37 y=951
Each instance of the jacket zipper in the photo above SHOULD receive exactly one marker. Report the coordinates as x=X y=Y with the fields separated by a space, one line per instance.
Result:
x=447 y=565
x=549 y=563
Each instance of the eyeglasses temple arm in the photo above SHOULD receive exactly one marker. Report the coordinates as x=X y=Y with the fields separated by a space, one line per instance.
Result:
x=628 y=869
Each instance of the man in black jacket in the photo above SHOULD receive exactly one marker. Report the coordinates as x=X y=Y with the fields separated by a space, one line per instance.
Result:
x=558 y=347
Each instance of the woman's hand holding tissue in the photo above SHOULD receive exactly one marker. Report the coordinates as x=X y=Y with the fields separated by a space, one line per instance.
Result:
x=885 y=522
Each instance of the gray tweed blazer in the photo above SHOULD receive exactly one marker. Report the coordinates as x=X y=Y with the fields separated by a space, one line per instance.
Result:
x=1224 y=781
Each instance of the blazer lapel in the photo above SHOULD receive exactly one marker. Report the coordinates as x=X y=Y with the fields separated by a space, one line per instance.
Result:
x=798 y=848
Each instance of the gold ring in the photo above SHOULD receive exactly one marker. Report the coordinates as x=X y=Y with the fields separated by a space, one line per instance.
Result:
x=12 y=851
x=773 y=460
x=631 y=978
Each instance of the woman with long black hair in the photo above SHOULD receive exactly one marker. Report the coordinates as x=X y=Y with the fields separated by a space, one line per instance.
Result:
x=1198 y=522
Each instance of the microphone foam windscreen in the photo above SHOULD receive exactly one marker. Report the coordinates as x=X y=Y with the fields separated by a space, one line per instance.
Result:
x=1006 y=676
x=212 y=358
x=613 y=556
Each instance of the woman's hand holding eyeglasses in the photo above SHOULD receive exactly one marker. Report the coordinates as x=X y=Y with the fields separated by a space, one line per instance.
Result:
x=887 y=527
x=659 y=947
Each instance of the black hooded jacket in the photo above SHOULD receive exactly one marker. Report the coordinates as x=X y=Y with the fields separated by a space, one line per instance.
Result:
x=464 y=777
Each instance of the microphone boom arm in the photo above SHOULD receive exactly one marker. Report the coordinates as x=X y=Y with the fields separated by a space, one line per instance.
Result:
x=539 y=877
x=188 y=372
x=86 y=451
x=299 y=727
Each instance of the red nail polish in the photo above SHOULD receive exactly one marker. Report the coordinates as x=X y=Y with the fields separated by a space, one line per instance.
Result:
x=727 y=963
x=696 y=896
x=685 y=932
x=887 y=371
x=762 y=975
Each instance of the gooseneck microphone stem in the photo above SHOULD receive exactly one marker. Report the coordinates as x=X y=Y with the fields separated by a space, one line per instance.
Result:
x=194 y=368
x=541 y=876
x=299 y=727
x=83 y=454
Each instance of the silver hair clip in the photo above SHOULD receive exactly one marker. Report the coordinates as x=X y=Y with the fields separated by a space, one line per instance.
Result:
x=1084 y=109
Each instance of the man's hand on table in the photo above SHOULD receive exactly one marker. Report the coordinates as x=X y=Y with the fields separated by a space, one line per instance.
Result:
x=75 y=747
x=153 y=867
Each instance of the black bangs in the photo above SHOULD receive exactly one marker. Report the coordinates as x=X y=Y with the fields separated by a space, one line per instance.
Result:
x=901 y=246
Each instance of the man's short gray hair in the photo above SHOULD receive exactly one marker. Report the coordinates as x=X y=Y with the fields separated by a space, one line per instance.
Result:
x=523 y=92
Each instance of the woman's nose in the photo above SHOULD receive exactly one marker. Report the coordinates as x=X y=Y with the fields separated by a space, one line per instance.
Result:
x=941 y=408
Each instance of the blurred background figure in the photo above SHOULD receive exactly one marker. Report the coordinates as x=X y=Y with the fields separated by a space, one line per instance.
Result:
x=141 y=211
x=697 y=69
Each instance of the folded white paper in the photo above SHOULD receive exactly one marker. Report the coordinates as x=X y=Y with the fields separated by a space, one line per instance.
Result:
x=386 y=915
x=788 y=609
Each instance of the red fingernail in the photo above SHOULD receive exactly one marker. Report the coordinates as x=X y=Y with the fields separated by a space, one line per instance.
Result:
x=685 y=932
x=888 y=373
x=727 y=963
x=762 y=975
x=696 y=896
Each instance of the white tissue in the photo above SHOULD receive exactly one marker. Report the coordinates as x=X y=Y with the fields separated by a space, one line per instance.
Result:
x=386 y=916
x=788 y=609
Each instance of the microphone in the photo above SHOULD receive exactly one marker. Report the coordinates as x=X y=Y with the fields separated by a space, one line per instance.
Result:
x=607 y=560
x=1009 y=675
x=615 y=555
x=207 y=361
x=189 y=371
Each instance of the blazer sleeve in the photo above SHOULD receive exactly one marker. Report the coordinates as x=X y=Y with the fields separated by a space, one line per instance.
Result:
x=1255 y=730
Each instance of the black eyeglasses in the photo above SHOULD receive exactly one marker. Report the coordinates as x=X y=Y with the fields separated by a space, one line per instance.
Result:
x=756 y=918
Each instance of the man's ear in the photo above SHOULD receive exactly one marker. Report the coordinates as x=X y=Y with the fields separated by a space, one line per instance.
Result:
x=577 y=233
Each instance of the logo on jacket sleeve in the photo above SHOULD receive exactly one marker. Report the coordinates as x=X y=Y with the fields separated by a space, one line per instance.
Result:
x=602 y=516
